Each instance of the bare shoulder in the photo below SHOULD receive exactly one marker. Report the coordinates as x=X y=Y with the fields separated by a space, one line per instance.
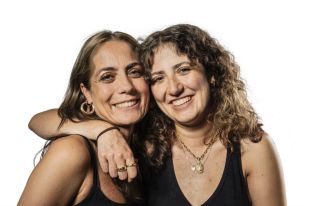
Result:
x=72 y=149
x=263 y=172
x=265 y=144
x=58 y=176
x=258 y=153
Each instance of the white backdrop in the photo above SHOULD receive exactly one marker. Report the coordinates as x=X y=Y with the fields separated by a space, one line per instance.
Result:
x=39 y=42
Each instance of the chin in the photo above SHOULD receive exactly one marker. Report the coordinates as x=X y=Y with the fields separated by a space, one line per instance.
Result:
x=128 y=121
x=189 y=121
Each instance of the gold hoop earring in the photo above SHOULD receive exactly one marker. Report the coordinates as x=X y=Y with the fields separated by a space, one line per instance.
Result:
x=87 y=109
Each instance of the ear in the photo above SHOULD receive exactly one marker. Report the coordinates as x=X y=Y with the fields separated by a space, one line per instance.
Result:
x=86 y=93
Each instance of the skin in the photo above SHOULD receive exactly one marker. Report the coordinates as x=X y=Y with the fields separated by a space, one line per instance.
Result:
x=180 y=87
x=114 y=149
x=116 y=97
x=182 y=92
x=65 y=173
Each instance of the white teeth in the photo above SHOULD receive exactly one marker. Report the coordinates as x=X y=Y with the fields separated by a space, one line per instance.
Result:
x=181 y=101
x=126 y=104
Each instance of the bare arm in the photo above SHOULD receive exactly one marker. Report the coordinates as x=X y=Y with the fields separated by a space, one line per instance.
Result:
x=45 y=124
x=113 y=150
x=57 y=178
x=264 y=173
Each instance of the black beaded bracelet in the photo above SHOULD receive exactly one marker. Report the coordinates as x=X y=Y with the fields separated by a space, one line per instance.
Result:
x=106 y=130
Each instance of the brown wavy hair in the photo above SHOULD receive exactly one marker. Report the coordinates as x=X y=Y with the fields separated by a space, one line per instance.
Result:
x=81 y=73
x=232 y=117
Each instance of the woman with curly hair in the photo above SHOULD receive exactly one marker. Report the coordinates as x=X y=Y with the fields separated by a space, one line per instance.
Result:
x=202 y=143
x=205 y=143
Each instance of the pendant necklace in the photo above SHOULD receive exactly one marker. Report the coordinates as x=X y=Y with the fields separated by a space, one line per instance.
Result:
x=198 y=167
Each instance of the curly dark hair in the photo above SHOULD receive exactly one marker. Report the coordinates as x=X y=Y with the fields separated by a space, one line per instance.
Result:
x=232 y=117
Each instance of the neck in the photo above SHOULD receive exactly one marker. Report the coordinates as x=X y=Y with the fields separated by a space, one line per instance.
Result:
x=193 y=136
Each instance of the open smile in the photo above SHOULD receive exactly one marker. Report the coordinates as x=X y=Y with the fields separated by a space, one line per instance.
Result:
x=126 y=104
x=181 y=101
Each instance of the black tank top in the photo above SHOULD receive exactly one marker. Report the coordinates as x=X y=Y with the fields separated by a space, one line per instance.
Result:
x=96 y=197
x=162 y=188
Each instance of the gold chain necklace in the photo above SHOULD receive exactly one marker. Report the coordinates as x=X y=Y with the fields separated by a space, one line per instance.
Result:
x=198 y=167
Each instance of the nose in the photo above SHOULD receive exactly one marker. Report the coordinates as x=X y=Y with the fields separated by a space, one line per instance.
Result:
x=175 y=87
x=125 y=85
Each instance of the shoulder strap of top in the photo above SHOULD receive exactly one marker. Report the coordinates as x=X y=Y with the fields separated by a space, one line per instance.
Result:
x=93 y=162
x=236 y=157
x=236 y=147
x=237 y=160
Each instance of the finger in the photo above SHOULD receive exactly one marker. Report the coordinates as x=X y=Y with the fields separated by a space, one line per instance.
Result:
x=103 y=163
x=131 y=168
x=112 y=166
x=120 y=163
x=102 y=155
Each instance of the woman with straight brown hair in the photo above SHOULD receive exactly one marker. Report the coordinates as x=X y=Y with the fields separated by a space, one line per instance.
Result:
x=107 y=83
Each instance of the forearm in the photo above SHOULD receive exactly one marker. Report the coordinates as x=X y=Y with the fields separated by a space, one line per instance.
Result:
x=113 y=150
x=46 y=125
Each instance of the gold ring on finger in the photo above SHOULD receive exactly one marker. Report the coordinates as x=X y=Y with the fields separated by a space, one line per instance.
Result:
x=122 y=169
x=132 y=165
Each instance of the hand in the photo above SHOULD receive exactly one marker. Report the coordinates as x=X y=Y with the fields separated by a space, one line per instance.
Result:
x=114 y=152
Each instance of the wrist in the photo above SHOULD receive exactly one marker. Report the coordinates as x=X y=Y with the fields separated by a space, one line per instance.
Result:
x=91 y=128
x=106 y=130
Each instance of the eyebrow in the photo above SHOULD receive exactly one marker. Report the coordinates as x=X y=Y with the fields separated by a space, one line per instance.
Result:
x=180 y=64
x=105 y=69
x=174 y=67
x=129 y=66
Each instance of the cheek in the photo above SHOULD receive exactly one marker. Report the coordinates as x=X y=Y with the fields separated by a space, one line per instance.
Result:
x=145 y=95
x=142 y=87
x=204 y=92
x=157 y=92
x=101 y=94
x=198 y=82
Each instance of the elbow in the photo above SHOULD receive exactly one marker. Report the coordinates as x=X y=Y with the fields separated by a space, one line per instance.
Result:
x=35 y=125
x=31 y=123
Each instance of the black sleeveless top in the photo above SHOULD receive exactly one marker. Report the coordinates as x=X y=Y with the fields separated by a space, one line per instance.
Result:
x=96 y=197
x=162 y=188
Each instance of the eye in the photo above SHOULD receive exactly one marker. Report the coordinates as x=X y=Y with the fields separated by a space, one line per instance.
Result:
x=107 y=77
x=157 y=79
x=183 y=70
x=135 y=72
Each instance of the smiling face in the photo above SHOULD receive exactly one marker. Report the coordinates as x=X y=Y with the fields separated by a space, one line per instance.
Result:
x=179 y=86
x=118 y=89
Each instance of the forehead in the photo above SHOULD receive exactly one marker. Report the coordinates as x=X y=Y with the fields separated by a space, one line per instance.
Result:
x=166 y=56
x=113 y=53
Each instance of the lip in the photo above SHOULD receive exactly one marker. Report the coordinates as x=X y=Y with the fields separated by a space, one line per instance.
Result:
x=182 y=105
x=130 y=103
x=180 y=98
